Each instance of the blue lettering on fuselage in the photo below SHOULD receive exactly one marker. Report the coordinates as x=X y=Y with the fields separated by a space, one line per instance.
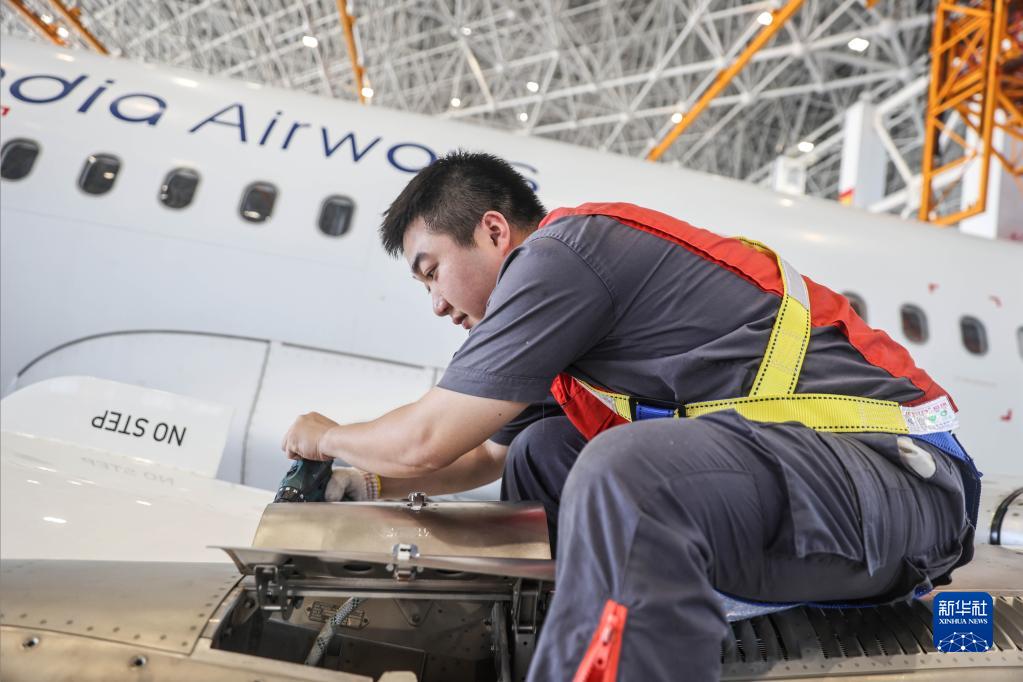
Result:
x=424 y=161
x=141 y=107
x=66 y=86
x=150 y=118
x=215 y=118
x=329 y=149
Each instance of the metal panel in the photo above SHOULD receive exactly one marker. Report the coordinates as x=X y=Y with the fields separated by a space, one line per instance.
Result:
x=158 y=605
x=72 y=658
x=471 y=529
x=65 y=501
x=886 y=642
x=856 y=642
x=357 y=568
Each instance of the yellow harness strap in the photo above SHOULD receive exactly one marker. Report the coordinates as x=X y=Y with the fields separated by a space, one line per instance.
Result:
x=773 y=397
x=790 y=336
x=819 y=411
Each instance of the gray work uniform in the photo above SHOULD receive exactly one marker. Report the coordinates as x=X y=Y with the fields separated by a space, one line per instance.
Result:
x=656 y=515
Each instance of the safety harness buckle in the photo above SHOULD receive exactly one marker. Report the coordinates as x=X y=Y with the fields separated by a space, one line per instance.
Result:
x=651 y=412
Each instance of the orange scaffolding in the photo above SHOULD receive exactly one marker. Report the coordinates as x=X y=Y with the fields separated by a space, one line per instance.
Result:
x=976 y=71
x=48 y=31
x=347 y=27
x=725 y=76
x=73 y=16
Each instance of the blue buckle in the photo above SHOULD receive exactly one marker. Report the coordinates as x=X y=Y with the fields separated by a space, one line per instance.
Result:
x=649 y=412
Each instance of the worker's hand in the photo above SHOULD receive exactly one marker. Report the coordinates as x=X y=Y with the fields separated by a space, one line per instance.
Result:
x=302 y=441
x=351 y=484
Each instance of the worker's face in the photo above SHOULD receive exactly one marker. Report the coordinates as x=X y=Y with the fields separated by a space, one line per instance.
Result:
x=459 y=278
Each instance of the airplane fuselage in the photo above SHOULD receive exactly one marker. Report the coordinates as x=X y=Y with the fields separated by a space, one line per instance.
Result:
x=203 y=299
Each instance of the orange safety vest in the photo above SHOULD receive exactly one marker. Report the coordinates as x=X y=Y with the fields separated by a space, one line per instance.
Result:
x=591 y=415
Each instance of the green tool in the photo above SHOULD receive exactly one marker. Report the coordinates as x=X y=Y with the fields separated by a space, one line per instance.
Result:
x=306 y=481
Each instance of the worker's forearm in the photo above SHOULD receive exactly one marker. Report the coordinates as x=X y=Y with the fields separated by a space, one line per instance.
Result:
x=419 y=439
x=475 y=468
x=385 y=446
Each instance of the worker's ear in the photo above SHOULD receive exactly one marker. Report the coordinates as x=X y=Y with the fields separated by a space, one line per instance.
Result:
x=497 y=231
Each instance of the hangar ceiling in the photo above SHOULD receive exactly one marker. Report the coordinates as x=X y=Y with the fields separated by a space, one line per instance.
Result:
x=597 y=73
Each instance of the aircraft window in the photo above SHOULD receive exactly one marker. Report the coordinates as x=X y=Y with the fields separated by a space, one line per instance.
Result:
x=974 y=336
x=336 y=215
x=17 y=159
x=99 y=173
x=914 y=323
x=258 y=202
x=1019 y=340
x=179 y=187
x=857 y=303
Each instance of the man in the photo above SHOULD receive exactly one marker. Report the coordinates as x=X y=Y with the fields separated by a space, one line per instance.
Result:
x=627 y=314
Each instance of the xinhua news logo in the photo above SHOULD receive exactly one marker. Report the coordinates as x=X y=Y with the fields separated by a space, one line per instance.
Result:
x=963 y=622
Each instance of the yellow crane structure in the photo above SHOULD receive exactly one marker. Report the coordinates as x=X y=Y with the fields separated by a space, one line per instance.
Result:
x=977 y=77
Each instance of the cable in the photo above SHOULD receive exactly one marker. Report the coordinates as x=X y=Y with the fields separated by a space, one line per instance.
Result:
x=330 y=629
x=999 y=516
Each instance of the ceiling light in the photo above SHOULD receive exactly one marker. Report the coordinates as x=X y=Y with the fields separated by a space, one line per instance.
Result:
x=676 y=117
x=466 y=31
x=47 y=19
x=367 y=92
x=62 y=32
x=310 y=41
x=144 y=503
x=523 y=116
x=805 y=146
x=54 y=519
x=765 y=18
x=456 y=102
x=533 y=86
x=859 y=44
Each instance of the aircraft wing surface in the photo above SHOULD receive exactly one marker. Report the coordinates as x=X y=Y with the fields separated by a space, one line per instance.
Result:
x=91 y=470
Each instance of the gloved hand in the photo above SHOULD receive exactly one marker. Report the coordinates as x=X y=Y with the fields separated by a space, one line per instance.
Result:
x=352 y=485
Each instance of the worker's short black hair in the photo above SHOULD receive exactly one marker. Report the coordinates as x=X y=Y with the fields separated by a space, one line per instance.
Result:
x=452 y=194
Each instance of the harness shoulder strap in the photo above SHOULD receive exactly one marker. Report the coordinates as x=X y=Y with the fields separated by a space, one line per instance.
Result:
x=790 y=336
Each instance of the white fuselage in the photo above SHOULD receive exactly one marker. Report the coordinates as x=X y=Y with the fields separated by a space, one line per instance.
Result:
x=277 y=318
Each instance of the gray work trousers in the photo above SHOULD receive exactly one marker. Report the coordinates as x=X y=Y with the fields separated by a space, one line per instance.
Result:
x=657 y=515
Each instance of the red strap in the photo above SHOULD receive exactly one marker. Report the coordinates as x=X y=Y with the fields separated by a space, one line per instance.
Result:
x=600 y=664
x=587 y=414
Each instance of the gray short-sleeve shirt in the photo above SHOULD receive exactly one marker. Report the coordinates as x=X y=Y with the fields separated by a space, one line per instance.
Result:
x=632 y=312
